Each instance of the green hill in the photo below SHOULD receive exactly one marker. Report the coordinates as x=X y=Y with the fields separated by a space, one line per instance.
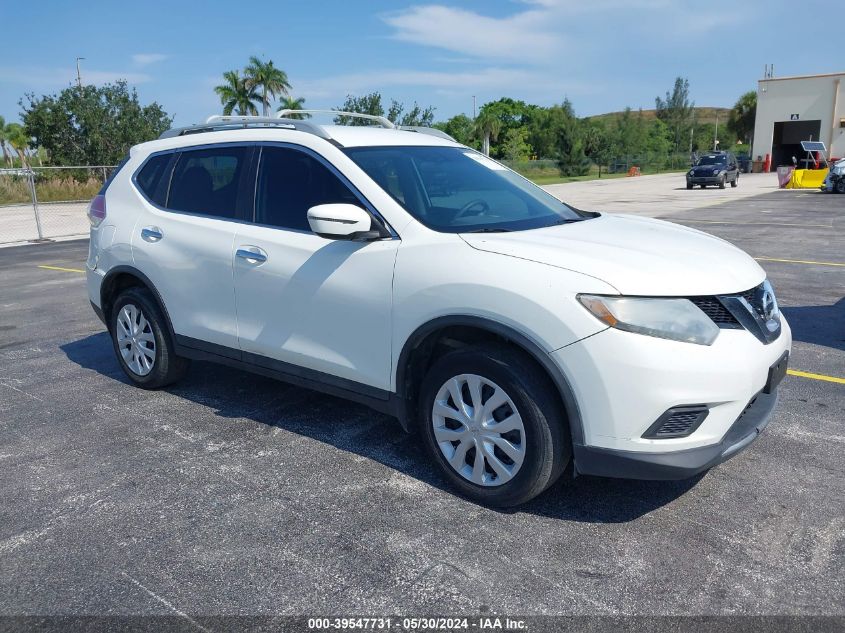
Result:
x=702 y=114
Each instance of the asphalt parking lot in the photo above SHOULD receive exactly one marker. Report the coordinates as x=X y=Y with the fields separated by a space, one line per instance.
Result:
x=232 y=494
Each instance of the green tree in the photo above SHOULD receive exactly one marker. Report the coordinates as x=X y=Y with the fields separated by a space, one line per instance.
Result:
x=272 y=81
x=511 y=115
x=741 y=117
x=291 y=103
x=461 y=128
x=571 y=157
x=598 y=143
x=676 y=112
x=237 y=95
x=515 y=145
x=544 y=127
x=368 y=104
x=416 y=116
x=91 y=125
x=487 y=127
x=18 y=138
x=631 y=133
x=4 y=137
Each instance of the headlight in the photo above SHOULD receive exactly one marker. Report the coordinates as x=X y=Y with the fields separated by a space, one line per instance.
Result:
x=716 y=171
x=692 y=172
x=675 y=319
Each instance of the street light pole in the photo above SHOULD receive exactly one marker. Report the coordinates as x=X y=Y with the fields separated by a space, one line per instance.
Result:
x=716 y=134
x=473 y=107
x=78 y=74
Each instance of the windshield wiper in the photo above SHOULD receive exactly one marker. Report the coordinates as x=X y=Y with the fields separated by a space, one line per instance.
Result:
x=490 y=230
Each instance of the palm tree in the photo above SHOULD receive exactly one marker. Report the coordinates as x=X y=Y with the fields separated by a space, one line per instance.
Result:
x=237 y=95
x=273 y=81
x=4 y=135
x=487 y=126
x=291 y=103
x=19 y=140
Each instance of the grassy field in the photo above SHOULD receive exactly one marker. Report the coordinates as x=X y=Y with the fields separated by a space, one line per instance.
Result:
x=703 y=114
x=15 y=190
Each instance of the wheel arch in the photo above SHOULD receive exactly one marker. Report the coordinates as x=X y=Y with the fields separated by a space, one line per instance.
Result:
x=122 y=277
x=418 y=348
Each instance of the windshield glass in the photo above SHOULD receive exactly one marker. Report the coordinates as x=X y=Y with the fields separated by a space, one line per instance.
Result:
x=712 y=160
x=458 y=190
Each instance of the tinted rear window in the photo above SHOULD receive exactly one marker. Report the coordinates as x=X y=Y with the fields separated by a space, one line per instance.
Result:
x=206 y=181
x=151 y=179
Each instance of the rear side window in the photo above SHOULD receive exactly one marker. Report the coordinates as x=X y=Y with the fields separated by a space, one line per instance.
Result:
x=289 y=183
x=153 y=178
x=206 y=181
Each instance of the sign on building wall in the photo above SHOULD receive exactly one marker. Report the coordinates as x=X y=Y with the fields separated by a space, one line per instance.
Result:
x=793 y=117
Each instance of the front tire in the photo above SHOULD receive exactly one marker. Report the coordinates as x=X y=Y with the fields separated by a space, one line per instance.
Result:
x=840 y=185
x=735 y=181
x=492 y=423
x=141 y=342
x=722 y=182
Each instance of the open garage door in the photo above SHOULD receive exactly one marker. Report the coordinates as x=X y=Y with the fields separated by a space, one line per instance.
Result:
x=786 y=141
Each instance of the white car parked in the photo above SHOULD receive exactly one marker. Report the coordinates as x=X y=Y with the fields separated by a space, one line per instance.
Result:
x=399 y=269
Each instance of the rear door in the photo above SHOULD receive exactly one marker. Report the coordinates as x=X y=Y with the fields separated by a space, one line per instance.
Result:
x=183 y=239
x=304 y=301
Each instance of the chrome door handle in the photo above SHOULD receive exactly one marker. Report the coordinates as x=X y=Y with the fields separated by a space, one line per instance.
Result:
x=256 y=256
x=151 y=234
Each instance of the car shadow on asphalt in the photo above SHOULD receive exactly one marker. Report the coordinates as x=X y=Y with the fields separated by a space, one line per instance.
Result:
x=818 y=325
x=233 y=394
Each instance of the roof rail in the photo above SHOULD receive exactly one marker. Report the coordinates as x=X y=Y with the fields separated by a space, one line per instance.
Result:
x=383 y=121
x=232 y=122
x=430 y=131
x=226 y=122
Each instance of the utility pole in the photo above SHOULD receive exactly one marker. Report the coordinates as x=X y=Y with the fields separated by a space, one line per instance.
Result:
x=716 y=134
x=473 y=107
x=78 y=74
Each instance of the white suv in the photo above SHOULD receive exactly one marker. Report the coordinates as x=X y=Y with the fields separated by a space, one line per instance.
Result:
x=400 y=269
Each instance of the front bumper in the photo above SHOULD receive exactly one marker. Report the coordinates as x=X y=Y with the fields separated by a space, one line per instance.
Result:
x=705 y=180
x=681 y=464
x=623 y=382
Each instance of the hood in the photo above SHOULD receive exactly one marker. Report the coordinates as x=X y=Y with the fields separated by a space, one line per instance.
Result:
x=709 y=168
x=635 y=255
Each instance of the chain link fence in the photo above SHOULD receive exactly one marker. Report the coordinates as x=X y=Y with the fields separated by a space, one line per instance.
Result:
x=43 y=203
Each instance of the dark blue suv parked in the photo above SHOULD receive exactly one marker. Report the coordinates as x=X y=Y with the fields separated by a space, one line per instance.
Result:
x=714 y=168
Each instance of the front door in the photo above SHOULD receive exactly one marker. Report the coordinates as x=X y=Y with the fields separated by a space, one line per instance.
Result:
x=304 y=300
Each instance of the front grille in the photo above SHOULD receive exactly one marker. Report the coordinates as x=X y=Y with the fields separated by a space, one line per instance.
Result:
x=716 y=310
x=677 y=422
x=712 y=307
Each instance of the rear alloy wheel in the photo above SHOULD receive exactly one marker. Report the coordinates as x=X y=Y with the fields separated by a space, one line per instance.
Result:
x=492 y=424
x=141 y=342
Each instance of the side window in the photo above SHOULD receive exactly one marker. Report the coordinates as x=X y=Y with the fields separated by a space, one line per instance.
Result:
x=206 y=181
x=289 y=183
x=153 y=178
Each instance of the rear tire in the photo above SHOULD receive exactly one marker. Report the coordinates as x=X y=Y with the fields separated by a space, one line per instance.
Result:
x=505 y=455
x=703 y=186
x=141 y=341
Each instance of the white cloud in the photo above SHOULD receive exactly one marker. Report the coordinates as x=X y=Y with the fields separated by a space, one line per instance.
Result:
x=519 y=37
x=145 y=59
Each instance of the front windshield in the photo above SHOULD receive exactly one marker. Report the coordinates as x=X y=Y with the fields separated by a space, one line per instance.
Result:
x=458 y=190
x=712 y=160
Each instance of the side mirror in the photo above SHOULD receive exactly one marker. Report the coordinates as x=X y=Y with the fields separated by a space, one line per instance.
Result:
x=341 y=221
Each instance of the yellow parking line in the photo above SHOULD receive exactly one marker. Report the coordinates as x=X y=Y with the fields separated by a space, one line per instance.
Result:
x=799 y=261
x=806 y=374
x=64 y=270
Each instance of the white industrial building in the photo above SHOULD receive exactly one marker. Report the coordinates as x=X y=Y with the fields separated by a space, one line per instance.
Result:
x=795 y=109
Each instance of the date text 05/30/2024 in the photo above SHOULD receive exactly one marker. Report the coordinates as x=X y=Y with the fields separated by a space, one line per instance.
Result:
x=477 y=623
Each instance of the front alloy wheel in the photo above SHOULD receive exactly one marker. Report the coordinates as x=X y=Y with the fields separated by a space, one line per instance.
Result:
x=491 y=420
x=478 y=430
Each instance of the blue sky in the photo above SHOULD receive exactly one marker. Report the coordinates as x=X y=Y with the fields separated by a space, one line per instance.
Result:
x=602 y=54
